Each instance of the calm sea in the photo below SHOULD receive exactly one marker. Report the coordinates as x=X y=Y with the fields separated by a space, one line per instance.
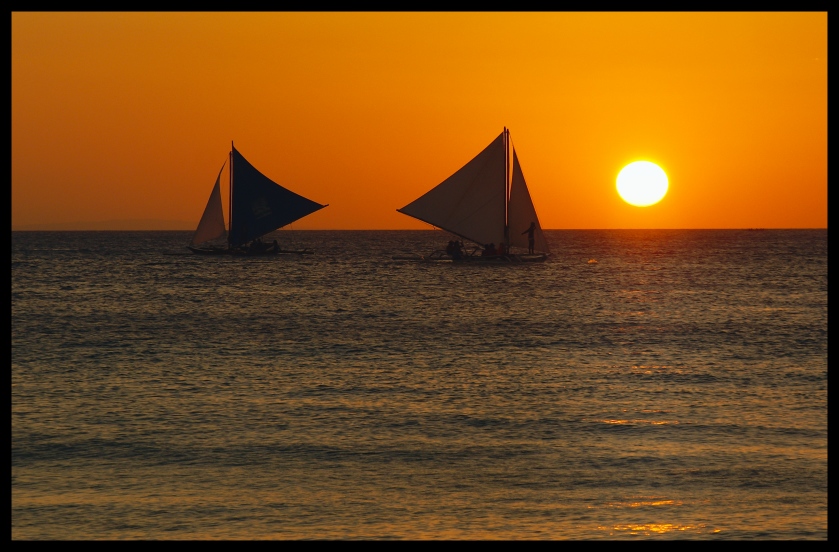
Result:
x=676 y=388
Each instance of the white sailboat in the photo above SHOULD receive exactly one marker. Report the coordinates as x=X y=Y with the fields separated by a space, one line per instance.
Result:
x=258 y=206
x=487 y=204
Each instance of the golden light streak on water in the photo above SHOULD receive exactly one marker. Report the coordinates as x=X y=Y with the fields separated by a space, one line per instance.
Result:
x=649 y=529
x=647 y=422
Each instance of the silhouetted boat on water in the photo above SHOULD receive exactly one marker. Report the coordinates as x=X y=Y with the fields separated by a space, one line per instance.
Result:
x=487 y=205
x=258 y=206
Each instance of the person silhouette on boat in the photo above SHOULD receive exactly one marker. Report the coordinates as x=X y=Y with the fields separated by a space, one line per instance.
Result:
x=257 y=246
x=531 y=230
x=457 y=250
x=489 y=249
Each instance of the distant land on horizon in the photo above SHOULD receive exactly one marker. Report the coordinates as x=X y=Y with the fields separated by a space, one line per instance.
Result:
x=135 y=224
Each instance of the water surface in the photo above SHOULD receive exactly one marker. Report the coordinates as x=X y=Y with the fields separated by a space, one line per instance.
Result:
x=676 y=388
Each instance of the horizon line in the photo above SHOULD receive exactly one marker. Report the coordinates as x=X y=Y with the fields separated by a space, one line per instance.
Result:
x=81 y=227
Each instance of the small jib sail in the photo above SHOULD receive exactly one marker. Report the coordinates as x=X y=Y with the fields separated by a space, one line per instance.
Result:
x=521 y=212
x=211 y=227
x=483 y=204
x=258 y=206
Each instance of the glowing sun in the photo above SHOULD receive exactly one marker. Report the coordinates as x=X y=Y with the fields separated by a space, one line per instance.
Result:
x=642 y=183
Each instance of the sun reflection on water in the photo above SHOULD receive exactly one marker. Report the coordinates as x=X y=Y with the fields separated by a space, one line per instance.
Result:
x=649 y=422
x=652 y=528
x=648 y=529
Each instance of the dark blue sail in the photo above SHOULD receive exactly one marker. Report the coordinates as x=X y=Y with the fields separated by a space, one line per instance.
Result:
x=260 y=205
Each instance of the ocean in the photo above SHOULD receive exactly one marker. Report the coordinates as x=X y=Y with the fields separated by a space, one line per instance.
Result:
x=639 y=384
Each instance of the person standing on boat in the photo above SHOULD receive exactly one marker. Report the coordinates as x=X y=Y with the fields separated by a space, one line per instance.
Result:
x=458 y=250
x=455 y=250
x=530 y=236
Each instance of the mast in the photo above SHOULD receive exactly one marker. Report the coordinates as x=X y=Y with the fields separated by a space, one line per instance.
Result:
x=230 y=203
x=506 y=189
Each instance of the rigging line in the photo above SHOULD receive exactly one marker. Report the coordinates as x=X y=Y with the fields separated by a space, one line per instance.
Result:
x=291 y=229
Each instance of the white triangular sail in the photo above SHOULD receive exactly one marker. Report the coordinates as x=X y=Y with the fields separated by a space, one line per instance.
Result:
x=211 y=227
x=471 y=202
x=521 y=212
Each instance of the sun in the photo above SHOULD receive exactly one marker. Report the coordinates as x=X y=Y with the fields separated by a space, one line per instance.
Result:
x=642 y=183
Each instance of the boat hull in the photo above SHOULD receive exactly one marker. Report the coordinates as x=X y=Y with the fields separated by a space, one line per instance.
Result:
x=248 y=253
x=208 y=251
x=511 y=258
x=507 y=259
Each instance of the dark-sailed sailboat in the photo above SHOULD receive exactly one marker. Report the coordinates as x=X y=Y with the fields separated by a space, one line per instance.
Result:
x=258 y=206
x=485 y=204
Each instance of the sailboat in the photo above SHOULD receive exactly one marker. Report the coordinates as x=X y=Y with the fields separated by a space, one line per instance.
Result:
x=258 y=206
x=487 y=205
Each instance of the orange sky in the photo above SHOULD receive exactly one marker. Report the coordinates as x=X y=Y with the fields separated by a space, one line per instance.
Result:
x=129 y=116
